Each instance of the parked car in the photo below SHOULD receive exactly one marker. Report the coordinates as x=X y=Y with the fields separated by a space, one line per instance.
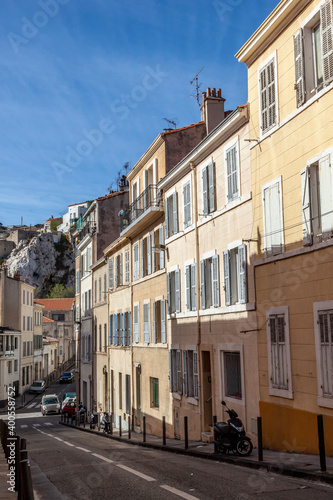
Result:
x=70 y=395
x=66 y=377
x=37 y=387
x=69 y=408
x=67 y=400
x=50 y=404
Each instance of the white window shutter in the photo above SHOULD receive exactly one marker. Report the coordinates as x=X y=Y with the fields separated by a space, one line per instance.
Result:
x=306 y=207
x=185 y=358
x=202 y=285
x=226 y=266
x=142 y=259
x=136 y=261
x=272 y=222
x=299 y=68
x=146 y=326
x=175 y=213
x=326 y=19
x=111 y=274
x=153 y=252
x=242 y=277
x=326 y=198
x=193 y=287
x=263 y=99
x=177 y=290
x=116 y=274
x=195 y=375
x=154 y=321
x=163 y=322
x=179 y=372
x=271 y=94
x=136 y=323
x=169 y=292
x=166 y=214
x=148 y=254
x=161 y=241
x=188 y=287
x=120 y=269
x=211 y=185
x=205 y=190
x=145 y=189
x=215 y=281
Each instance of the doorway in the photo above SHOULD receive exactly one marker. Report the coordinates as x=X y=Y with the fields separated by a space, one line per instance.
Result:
x=206 y=391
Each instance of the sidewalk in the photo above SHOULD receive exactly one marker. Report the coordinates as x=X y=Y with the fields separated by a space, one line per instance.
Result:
x=290 y=464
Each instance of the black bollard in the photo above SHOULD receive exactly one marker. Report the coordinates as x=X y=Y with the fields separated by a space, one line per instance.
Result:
x=321 y=442
x=119 y=426
x=259 y=431
x=129 y=427
x=214 y=434
x=164 y=435
x=186 y=432
x=111 y=423
x=144 y=429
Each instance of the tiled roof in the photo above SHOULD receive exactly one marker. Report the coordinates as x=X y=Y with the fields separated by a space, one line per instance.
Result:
x=182 y=128
x=47 y=320
x=56 y=304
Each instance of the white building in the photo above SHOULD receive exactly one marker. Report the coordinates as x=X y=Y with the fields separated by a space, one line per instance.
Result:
x=74 y=213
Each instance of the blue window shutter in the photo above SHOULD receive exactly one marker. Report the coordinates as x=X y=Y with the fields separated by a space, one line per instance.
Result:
x=163 y=322
x=114 y=329
x=110 y=329
x=226 y=257
x=193 y=287
x=129 y=328
x=170 y=371
x=242 y=278
x=117 y=328
x=121 y=333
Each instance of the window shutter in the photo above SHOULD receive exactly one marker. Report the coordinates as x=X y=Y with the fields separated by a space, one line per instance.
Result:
x=136 y=323
x=120 y=269
x=127 y=267
x=299 y=68
x=202 y=287
x=121 y=336
x=193 y=287
x=175 y=213
x=136 y=261
x=145 y=189
x=211 y=184
x=272 y=220
x=169 y=292
x=226 y=257
x=187 y=204
x=149 y=254
x=161 y=241
x=117 y=329
x=215 y=281
x=114 y=329
x=177 y=290
x=263 y=99
x=267 y=96
x=146 y=332
x=142 y=258
x=188 y=287
x=195 y=375
x=205 y=190
x=154 y=321
x=170 y=371
x=116 y=272
x=306 y=207
x=153 y=259
x=111 y=274
x=242 y=277
x=326 y=19
x=185 y=357
x=166 y=214
x=163 y=322
x=125 y=326
x=326 y=199
x=179 y=371
x=129 y=327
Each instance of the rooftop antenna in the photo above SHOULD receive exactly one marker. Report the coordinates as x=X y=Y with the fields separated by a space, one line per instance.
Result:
x=197 y=86
x=171 y=122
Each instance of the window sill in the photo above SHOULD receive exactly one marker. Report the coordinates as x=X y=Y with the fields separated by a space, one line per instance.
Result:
x=193 y=401
x=281 y=393
x=325 y=402
x=234 y=401
x=175 y=395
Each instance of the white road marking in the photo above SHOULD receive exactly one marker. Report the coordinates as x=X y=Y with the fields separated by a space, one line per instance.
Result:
x=83 y=449
x=178 y=492
x=35 y=425
x=103 y=458
x=26 y=415
x=48 y=423
x=23 y=426
x=58 y=439
x=143 y=476
x=68 y=444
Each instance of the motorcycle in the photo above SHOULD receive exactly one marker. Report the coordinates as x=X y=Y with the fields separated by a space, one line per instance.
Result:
x=230 y=436
x=105 y=424
x=92 y=421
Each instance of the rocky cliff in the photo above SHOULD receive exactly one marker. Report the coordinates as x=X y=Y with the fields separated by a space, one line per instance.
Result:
x=44 y=261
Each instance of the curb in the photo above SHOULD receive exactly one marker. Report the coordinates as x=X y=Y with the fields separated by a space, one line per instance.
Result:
x=283 y=470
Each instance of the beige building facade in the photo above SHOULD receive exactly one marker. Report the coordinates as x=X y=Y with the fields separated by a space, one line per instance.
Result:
x=290 y=81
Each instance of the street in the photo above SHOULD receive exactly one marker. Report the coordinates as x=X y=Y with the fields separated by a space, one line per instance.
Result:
x=70 y=464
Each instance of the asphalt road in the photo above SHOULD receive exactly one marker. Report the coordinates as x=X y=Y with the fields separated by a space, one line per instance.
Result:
x=69 y=464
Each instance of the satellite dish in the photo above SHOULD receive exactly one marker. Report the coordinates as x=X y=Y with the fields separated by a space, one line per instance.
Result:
x=121 y=213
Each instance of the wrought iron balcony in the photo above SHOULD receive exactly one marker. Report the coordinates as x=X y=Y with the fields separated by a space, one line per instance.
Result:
x=151 y=197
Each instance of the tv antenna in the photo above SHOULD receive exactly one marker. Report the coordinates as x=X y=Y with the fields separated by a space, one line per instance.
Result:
x=197 y=86
x=171 y=122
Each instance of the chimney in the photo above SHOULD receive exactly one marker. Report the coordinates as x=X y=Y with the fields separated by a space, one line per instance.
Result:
x=212 y=108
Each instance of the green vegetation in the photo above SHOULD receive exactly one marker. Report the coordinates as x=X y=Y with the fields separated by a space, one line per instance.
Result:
x=54 y=224
x=59 y=291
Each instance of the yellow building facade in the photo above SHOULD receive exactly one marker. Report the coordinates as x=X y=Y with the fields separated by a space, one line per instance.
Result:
x=290 y=74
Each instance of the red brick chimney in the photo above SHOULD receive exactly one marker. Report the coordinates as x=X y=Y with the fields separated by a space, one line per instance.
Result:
x=212 y=108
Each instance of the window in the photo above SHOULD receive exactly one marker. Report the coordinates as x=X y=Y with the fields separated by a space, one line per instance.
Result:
x=268 y=95
x=232 y=375
x=120 y=391
x=100 y=289
x=278 y=346
x=136 y=323
x=210 y=282
x=24 y=348
x=187 y=204
x=175 y=376
x=95 y=291
x=146 y=256
x=173 y=286
x=232 y=170
x=127 y=275
x=58 y=317
x=154 y=403
x=105 y=337
x=159 y=321
x=104 y=289
x=128 y=394
x=191 y=287
x=323 y=325
x=313 y=52
x=273 y=219
x=23 y=296
x=191 y=375
x=146 y=323
x=23 y=323
x=23 y=376
x=208 y=188
x=317 y=201
x=158 y=248
x=235 y=280
x=136 y=261
x=100 y=338
x=110 y=270
x=10 y=367
x=118 y=278
x=15 y=365
x=171 y=215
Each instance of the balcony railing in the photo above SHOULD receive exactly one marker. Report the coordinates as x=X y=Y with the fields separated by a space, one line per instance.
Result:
x=150 y=197
x=86 y=226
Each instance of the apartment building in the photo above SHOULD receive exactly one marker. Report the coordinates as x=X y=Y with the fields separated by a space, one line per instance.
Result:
x=290 y=81
x=211 y=319
x=38 y=340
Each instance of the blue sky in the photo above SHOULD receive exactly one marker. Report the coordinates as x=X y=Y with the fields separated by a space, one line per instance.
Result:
x=86 y=85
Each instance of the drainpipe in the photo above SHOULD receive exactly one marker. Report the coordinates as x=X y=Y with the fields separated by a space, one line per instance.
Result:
x=197 y=260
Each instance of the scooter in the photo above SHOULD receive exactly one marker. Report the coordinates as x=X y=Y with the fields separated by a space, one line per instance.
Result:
x=230 y=436
x=105 y=424
x=92 y=421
